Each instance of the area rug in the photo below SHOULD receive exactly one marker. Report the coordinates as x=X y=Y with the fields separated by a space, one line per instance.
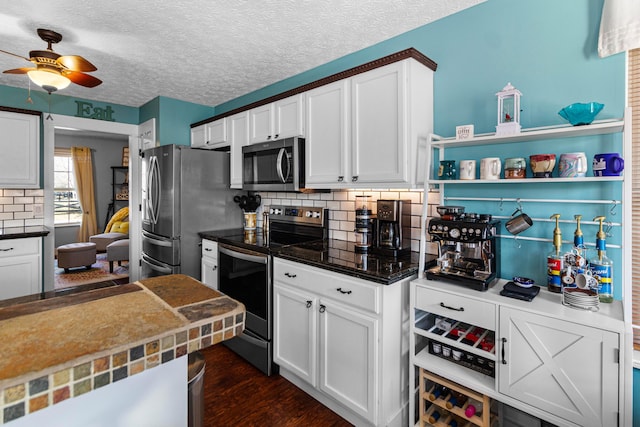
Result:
x=99 y=272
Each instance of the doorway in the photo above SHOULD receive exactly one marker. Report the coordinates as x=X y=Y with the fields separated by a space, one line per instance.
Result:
x=61 y=123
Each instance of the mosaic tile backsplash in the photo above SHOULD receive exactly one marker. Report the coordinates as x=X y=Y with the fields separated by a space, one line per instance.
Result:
x=21 y=207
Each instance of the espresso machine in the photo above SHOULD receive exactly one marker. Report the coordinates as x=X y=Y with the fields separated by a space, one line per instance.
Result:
x=393 y=228
x=467 y=250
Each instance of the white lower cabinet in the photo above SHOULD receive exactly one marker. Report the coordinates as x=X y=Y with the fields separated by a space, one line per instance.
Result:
x=554 y=362
x=20 y=267
x=209 y=264
x=340 y=339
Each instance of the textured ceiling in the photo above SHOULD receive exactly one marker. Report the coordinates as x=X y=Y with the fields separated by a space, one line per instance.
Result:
x=203 y=51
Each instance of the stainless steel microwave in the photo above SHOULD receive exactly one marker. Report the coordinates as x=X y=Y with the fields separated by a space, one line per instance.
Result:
x=274 y=165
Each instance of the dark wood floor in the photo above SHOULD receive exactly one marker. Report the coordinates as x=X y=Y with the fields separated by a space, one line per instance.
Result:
x=236 y=393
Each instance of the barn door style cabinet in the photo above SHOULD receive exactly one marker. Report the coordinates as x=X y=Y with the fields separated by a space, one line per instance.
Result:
x=565 y=365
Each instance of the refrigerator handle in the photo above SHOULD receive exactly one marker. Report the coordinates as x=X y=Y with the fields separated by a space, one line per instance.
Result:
x=155 y=189
x=155 y=265
x=158 y=242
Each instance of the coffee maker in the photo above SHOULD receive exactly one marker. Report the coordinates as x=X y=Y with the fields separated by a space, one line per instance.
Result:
x=467 y=249
x=393 y=228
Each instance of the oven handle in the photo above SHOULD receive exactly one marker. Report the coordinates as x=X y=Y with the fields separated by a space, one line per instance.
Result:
x=250 y=337
x=261 y=259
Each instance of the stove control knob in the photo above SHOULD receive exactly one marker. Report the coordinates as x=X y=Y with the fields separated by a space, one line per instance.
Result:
x=454 y=233
x=316 y=214
x=276 y=211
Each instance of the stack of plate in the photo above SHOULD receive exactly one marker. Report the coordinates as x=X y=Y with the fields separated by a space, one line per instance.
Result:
x=586 y=299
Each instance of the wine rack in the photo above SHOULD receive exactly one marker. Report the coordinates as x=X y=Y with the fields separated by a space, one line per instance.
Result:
x=434 y=410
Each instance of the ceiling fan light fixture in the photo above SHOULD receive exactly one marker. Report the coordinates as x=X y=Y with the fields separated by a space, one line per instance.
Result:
x=49 y=80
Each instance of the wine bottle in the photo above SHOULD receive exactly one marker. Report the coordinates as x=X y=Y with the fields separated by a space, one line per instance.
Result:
x=456 y=399
x=435 y=416
x=473 y=408
x=439 y=390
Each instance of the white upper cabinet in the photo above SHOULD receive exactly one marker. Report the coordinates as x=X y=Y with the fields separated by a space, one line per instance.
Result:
x=327 y=126
x=277 y=120
x=20 y=147
x=377 y=124
x=210 y=135
x=238 y=137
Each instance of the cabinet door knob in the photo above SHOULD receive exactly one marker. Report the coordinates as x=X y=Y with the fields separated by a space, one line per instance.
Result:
x=208 y=249
x=6 y=250
x=504 y=344
x=354 y=178
x=277 y=135
x=290 y=275
x=322 y=308
x=214 y=268
x=443 y=305
x=309 y=304
x=343 y=292
x=340 y=178
x=268 y=137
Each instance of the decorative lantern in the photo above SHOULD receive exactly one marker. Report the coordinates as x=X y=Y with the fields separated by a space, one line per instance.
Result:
x=508 y=111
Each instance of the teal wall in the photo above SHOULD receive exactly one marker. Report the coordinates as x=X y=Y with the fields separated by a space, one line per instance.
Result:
x=175 y=114
x=61 y=104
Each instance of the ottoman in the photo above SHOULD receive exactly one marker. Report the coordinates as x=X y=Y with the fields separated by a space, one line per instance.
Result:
x=76 y=255
x=117 y=251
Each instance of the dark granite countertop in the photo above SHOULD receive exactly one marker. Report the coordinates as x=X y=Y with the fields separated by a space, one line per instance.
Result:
x=331 y=254
x=340 y=256
x=23 y=232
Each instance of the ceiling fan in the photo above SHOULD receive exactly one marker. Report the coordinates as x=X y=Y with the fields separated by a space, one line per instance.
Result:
x=52 y=71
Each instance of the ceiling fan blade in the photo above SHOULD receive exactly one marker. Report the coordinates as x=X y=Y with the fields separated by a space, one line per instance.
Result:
x=81 y=79
x=17 y=56
x=76 y=63
x=18 y=71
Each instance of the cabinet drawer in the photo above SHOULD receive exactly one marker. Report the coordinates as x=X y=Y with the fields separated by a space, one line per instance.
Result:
x=355 y=292
x=468 y=310
x=209 y=249
x=17 y=247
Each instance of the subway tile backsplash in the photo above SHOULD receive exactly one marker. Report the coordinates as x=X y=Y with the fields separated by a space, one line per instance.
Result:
x=21 y=207
x=341 y=205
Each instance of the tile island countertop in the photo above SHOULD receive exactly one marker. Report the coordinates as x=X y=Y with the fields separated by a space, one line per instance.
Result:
x=62 y=347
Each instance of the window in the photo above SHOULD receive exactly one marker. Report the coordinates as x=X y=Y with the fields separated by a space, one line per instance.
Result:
x=67 y=208
x=634 y=103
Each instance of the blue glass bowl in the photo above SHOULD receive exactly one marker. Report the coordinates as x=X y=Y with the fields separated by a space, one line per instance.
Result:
x=581 y=114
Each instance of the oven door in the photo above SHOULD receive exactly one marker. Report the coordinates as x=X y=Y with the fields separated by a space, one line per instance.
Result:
x=246 y=277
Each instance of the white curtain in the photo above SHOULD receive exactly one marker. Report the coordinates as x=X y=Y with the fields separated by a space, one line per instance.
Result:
x=619 y=27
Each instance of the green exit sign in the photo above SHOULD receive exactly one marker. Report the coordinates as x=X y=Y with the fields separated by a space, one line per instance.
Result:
x=86 y=110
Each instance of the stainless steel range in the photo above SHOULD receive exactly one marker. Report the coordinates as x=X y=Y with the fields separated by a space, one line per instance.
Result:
x=245 y=274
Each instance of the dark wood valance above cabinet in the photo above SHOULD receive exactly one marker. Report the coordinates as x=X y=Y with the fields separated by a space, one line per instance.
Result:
x=380 y=62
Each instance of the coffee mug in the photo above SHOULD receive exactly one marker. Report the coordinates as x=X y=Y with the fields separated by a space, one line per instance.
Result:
x=607 y=164
x=515 y=167
x=447 y=169
x=467 y=169
x=490 y=168
x=517 y=224
x=542 y=165
x=572 y=165
x=586 y=280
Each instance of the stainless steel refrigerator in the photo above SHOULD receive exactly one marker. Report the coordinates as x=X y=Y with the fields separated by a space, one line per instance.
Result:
x=184 y=191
